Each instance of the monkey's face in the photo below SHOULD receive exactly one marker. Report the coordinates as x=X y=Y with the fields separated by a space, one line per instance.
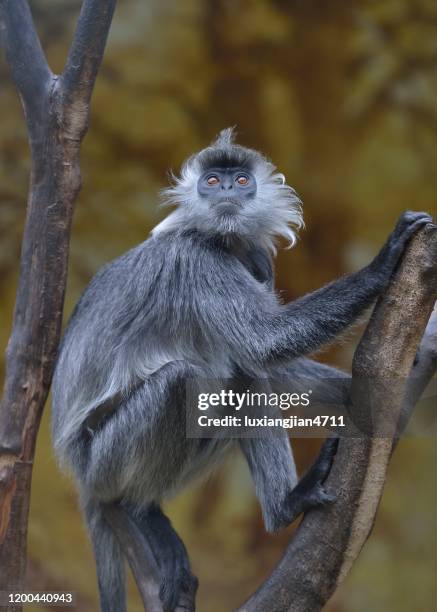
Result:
x=232 y=191
x=229 y=189
x=227 y=192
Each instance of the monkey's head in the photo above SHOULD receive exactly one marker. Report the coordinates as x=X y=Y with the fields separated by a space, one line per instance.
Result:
x=234 y=192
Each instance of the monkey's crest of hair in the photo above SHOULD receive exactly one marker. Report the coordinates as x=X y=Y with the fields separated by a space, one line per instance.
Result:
x=274 y=212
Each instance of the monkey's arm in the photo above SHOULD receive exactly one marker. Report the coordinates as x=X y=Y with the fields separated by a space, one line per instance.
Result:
x=314 y=320
x=266 y=335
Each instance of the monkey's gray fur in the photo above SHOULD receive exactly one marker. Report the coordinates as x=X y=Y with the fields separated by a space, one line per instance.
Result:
x=194 y=299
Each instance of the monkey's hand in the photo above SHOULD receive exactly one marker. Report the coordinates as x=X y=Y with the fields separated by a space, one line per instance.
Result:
x=385 y=262
x=309 y=492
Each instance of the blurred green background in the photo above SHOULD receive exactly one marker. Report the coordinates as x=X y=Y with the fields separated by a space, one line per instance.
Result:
x=341 y=95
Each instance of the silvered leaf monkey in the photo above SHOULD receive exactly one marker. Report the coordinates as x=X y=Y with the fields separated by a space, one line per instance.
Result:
x=195 y=299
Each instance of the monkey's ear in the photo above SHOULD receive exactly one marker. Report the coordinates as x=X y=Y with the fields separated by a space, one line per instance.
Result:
x=226 y=138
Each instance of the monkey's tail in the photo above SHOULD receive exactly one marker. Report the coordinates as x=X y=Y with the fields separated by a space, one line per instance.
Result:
x=109 y=559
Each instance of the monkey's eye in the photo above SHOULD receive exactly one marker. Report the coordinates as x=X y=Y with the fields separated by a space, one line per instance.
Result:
x=213 y=180
x=242 y=180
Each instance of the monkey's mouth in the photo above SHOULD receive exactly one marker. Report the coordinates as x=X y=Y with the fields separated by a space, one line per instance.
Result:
x=227 y=206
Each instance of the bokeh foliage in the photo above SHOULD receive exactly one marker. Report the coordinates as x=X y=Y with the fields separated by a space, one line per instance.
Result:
x=342 y=96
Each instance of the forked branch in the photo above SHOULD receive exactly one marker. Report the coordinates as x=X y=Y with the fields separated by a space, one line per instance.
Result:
x=56 y=126
x=84 y=59
x=25 y=57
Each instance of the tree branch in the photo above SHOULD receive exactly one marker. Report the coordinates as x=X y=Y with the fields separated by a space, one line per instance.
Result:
x=30 y=71
x=329 y=539
x=423 y=370
x=85 y=56
x=56 y=127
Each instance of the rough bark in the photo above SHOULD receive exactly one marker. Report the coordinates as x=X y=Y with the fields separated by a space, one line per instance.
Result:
x=56 y=113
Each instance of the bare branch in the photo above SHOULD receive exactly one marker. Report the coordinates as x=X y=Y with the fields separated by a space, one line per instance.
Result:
x=55 y=131
x=30 y=71
x=423 y=370
x=85 y=56
x=329 y=539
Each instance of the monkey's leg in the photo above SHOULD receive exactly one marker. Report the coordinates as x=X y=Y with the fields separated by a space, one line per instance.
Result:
x=310 y=492
x=282 y=498
x=330 y=387
x=140 y=452
x=170 y=554
x=273 y=471
x=269 y=455
x=108 y=557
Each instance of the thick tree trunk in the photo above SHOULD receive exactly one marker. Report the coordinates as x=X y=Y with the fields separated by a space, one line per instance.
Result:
x=55 y=182
x=56 y=112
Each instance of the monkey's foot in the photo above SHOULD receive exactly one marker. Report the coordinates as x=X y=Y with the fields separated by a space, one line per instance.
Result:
x=310 y=492
x=178 y=587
